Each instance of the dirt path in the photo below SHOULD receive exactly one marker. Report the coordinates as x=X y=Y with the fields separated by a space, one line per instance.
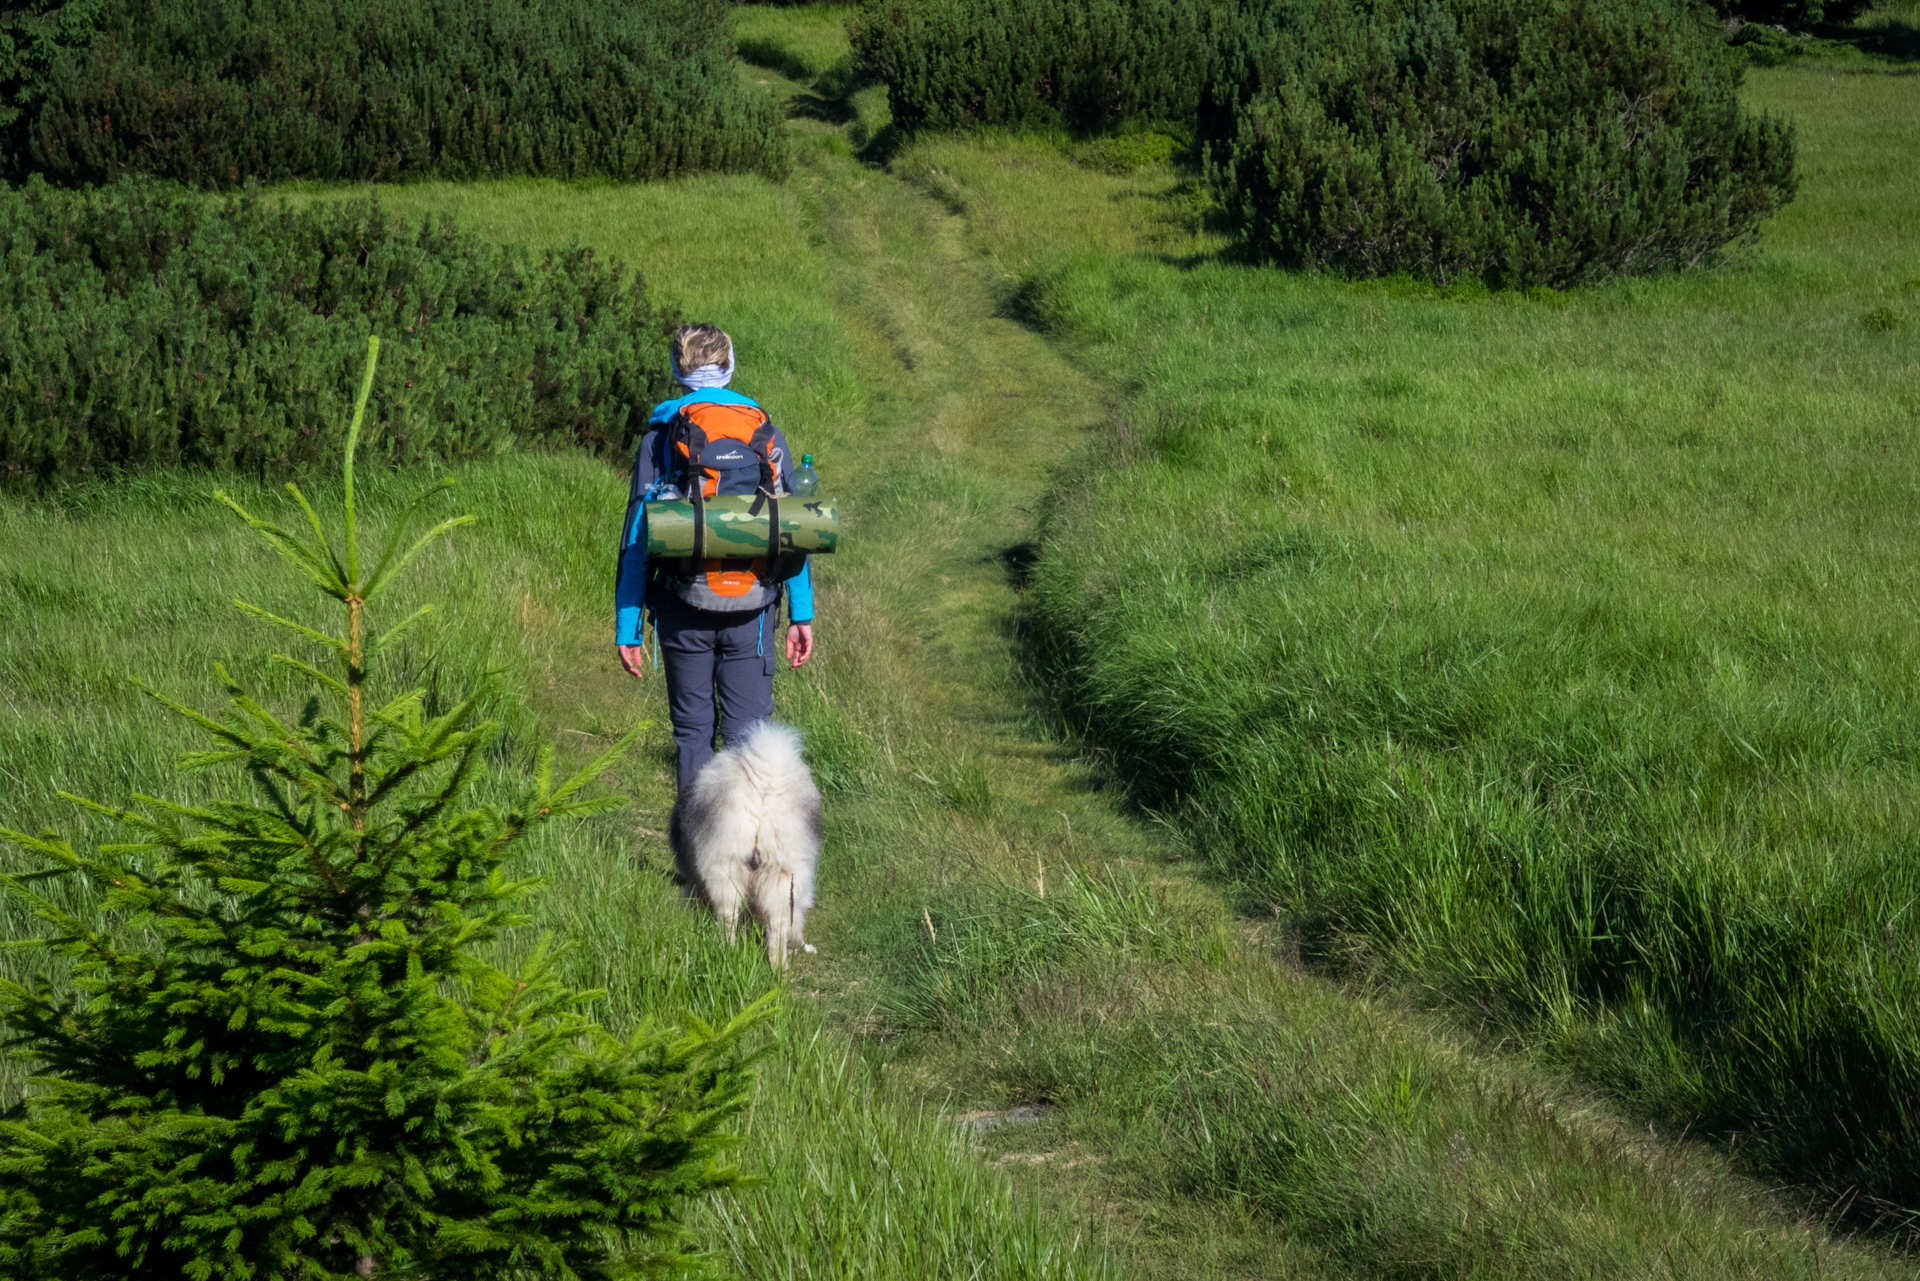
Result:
x=970 y=794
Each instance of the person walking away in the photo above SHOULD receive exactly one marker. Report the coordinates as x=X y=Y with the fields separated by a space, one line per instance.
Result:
x=714 y=623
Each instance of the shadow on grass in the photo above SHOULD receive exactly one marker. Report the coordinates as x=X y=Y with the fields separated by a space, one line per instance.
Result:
x=828 y=97
x=772 y=54
x=884 y=146
x=1894 y=38
x=1018 y=561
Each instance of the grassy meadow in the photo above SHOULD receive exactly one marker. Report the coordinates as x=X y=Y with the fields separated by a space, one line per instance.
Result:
x=1003 y=347
x=1555 y=654
x=133 y=578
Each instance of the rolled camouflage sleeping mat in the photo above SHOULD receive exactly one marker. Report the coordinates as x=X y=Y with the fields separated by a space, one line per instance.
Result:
x=735 y=528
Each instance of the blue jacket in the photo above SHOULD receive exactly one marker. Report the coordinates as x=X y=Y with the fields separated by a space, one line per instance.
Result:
x=649 y=470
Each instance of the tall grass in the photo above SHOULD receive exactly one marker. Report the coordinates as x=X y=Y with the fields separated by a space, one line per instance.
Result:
x=1556 y=652
x=986 y=944
x=132 y=577
x=878 y=1192
x=859 y=1181
x=1387 y=1153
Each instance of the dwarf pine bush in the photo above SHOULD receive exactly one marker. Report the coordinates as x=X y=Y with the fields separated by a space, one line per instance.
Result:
x=33 y=37
x=214 y=92
x=141 y=325
x=1522 y=143
x=956 y=64
x=284 y=1050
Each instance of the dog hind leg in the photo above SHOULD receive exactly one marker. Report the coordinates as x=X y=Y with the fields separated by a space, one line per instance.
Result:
x=726 y=895
x=775 y=902
x=797 y=924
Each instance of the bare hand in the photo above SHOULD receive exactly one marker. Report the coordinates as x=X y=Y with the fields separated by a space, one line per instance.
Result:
x=634 y=659
x=799 y=643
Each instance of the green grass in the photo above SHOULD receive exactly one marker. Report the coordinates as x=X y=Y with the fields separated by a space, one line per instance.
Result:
x=132 y=578
x=860 y=1190
x=802 y=55
x=994 y=930
x=802 y=42
x=1219 y=1100
x=1553 y=653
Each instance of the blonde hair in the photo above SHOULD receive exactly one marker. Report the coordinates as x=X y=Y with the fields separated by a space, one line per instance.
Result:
x=697 y=345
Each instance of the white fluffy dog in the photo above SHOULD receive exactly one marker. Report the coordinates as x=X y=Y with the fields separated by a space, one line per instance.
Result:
x=748 y=831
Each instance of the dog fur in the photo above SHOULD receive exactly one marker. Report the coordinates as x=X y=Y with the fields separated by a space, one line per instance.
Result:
x=748 y=833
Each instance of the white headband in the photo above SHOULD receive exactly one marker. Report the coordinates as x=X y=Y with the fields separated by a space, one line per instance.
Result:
x=704 y=377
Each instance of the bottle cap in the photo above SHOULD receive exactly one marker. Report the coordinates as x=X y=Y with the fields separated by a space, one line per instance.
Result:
x=806 y=460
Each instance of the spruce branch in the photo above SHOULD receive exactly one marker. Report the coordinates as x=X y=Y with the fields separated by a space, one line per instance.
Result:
x=408 y=516
x=311 y=672
x=346 y=469
x=265 y=719
x=592 y=770
x=404 y=712
x=379 y=643
x=406 y=558
x=320 y=539
x=217 y=729
x=325 y=574
x=334 y=643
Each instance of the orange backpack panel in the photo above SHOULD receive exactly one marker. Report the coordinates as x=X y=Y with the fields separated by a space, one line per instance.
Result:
x=730 y=446
x=730 y=449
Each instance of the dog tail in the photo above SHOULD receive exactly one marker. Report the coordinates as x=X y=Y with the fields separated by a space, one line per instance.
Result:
x=772 y=750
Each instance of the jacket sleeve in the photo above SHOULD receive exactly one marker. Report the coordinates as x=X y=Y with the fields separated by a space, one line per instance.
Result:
x=630 y=576
x=800 y=594
x=800 y=586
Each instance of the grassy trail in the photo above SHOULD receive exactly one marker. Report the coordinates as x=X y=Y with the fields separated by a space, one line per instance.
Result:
x=994 y=930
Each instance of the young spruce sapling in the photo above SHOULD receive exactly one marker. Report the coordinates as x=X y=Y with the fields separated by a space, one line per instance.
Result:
x=283 y=1050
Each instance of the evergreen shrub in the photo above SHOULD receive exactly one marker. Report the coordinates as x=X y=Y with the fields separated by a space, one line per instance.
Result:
x=1079 y=64
x=1526 y=142
x=33 y=37
x=214 y=92
x=142 y=325
x=286 y=1049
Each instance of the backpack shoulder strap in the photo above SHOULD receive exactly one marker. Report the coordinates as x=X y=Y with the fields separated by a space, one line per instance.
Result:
x=676 y=452
x=763 y=438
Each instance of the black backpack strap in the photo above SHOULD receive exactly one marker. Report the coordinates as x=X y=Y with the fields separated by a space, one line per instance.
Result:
x=763 y=446
x=677 y=434
x=697 y=493
x=772 y=500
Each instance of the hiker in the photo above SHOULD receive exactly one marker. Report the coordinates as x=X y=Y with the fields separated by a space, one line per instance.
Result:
x=714 y=625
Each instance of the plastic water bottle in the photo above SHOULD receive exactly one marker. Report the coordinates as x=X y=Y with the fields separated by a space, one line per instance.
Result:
x=805 y=479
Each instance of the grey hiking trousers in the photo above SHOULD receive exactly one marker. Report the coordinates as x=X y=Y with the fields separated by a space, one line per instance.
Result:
x=714 y=661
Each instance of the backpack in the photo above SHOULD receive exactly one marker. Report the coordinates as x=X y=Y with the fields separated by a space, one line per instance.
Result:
x=714 y=450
